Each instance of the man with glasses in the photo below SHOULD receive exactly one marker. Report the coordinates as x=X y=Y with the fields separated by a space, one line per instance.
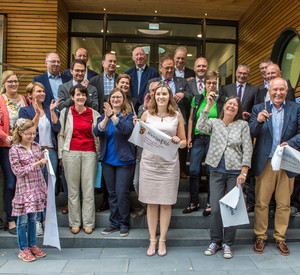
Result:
x=182 y=95
x=197 y=84
x=245 y=91
x=82 y=53
x=52 y=78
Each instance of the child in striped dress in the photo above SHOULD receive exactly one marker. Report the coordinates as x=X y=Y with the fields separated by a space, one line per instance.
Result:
x=27 y=162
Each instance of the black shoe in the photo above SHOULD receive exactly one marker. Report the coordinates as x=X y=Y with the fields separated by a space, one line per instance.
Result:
x=207 y=210
x=13 y=231
x=109 y=230
x=191 y=208
x=271 y=213
x=104 y=206
x=250 y=209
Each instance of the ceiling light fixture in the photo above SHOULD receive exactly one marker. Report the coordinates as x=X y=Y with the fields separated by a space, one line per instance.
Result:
x=199 y=35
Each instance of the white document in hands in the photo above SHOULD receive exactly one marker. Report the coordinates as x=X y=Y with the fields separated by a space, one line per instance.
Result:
x=233 y=208
x=51 y=236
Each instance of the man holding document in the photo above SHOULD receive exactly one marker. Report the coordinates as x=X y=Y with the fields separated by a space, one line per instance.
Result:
x=276 y=122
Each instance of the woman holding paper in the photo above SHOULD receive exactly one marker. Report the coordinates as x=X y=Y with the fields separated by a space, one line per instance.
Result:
x=118 y=158
x=77 y=151
x=159 y=179
x=229 y=158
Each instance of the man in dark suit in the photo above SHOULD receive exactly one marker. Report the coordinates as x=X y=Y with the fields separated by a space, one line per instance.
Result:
x=78 y=69
x=106 y=81
x=197 y=84
x=276 y=122
x=272 y=71
x=52 y=78
x=182 y=96
x=82 y=53
x=180 y=69
x=245 y=91
x=140 y=74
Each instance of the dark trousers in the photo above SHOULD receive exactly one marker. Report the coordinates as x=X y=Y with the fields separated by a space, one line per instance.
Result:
x=9 y=183
x=198 y=151
x=118 y=180
x=218 y=183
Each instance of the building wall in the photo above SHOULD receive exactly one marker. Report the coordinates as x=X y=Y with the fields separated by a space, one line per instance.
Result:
x=259 y=28
x=34 y=28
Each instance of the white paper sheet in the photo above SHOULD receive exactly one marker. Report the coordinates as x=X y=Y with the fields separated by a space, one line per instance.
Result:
x=233 y=208
x=51 y=236
x=157 y=142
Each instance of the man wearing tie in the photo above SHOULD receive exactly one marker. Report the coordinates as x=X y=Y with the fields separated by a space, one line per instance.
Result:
x=197 y=85
x=140 y=74
x=245 y=91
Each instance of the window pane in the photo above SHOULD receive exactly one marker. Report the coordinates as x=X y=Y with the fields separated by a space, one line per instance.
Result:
x=87 y=26
x=94 y=48
x=291 y=60
x=225 y=32
x=221 y=57
x=159 y=29
x=124 y=51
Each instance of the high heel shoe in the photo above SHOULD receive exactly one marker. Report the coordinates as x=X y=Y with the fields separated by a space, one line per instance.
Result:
x=151 y=252
x=162 y=252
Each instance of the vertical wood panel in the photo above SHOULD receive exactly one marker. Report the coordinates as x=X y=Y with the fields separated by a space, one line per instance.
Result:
x=259 y=28
x=34 y=28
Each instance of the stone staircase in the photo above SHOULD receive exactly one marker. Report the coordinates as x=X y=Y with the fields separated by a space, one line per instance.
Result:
x=185 y=229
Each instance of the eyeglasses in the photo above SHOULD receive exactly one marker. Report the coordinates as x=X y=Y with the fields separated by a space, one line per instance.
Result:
x=32 y=134
x=168 y=68
x=241 y=73
x=12 y=81
x=211 y=83
x=53 y=61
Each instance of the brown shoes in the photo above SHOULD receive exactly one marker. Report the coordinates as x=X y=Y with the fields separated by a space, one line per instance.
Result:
x=88 y=230
x=282 y=247
x=140 y=213
x=65 y=209
x=75 y=230
x=183 y=175
x=259 y=245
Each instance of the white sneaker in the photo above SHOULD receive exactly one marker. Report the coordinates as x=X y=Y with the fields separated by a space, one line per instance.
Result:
x=212 y=249
x=39 y=229
x=227 y=253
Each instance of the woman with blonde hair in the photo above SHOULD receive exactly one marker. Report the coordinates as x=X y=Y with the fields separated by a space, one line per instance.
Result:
x=10 y=103
x=159 y=179
x=118 y=158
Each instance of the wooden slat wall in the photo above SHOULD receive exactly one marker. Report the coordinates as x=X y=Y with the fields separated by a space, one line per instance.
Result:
x=33 y=28
x=259 y=28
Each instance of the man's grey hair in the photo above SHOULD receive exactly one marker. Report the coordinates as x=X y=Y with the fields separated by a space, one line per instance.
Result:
x=243 y=65
x=181 y=48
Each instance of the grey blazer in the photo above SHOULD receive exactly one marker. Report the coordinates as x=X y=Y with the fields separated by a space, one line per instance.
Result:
x=233 y=141
x=65 y=99
x=193 y=86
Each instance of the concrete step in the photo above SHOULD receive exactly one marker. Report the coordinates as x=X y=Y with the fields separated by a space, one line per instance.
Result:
x=140 y=238
x=194 y=220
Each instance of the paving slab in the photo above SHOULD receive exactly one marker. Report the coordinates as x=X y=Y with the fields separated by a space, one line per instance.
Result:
x=71 y=253
x=38 y=266
x=279 y=271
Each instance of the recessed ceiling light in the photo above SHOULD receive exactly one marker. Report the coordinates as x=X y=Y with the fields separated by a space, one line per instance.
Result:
x=104 y=9
x=113 y=52
x=205 y=14
x=155 y=11
x=118 y=66
x=199 y=35
x=189 y=54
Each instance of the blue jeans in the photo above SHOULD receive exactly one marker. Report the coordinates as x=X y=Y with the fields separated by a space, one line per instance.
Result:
x=9 y=183
x=198 y=151
x=54 y=161
x=26 y=221
x=118 y=180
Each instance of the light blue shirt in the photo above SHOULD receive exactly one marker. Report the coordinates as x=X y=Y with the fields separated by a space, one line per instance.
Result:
x=298 y=100
x=179 y=73
x=55 y=81
x=109 y=83
x=171 y=84
x=277 y=124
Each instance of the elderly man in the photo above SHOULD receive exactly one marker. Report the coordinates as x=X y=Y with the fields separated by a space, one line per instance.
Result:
x=82 y=53
x=78 y=68
x=196 y=84
x=182 y=95
x=180 y=59
x=140 y=74
x=243 y=90
x=272 y=71
x=276 y=122
x=106 y=81
x=52 y=78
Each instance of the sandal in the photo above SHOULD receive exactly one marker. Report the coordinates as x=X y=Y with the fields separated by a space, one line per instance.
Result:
x=207 y=210
x=151 y=252
x=191 y=208
x=162 y=252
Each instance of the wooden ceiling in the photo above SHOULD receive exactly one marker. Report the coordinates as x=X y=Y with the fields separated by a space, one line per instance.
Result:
x=215 y=9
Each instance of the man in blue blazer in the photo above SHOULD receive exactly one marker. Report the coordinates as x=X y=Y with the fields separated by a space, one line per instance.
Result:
x=81 y=53
x=275 y=123
x=140 y=74
x=52 y=78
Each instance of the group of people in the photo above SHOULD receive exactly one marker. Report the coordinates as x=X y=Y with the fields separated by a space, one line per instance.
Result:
x=80 y=118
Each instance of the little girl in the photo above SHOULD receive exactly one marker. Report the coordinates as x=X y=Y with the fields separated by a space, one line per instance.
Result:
x=27 y=162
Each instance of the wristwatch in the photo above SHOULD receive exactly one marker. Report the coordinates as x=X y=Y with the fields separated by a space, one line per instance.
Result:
x=245 y=175
x=111 y=115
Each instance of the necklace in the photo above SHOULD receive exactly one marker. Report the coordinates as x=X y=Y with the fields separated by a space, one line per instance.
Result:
x=162 y=117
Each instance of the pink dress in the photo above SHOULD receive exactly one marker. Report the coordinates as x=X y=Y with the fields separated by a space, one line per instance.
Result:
x=159 y=179
x=31 y=190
